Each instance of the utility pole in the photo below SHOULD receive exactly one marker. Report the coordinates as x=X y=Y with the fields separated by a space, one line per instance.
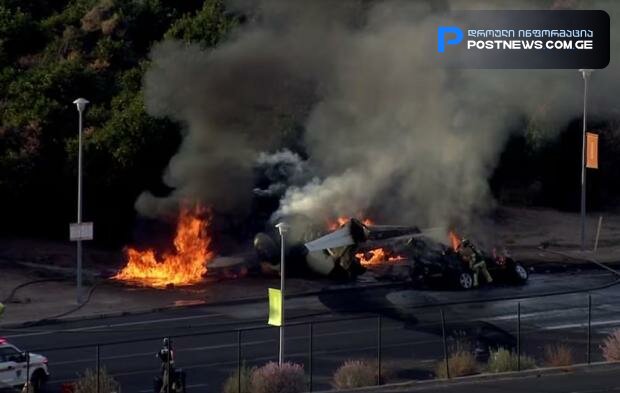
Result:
x=81 y=106
x=283 y=229
x=586 y=74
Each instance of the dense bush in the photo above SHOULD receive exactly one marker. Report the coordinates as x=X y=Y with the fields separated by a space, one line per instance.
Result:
x=611 y=347
x=355 y=374
x=503 y=360
x=273 y=378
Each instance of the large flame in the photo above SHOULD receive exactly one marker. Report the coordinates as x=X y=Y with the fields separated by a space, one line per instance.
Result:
x=185 y=266
x=377 y=256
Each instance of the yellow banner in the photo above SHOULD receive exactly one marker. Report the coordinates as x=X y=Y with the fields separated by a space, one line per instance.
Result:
x=1 y=309
x=275 y=307
x=591 y=150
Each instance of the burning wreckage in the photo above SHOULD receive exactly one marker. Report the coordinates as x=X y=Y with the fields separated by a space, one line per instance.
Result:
x=350 y=248
x=336 y=255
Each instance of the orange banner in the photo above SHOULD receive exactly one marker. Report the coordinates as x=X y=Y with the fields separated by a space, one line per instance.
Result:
x=591 y=150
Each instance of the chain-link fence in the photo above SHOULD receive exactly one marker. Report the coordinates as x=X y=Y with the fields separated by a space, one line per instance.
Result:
x=436 y=342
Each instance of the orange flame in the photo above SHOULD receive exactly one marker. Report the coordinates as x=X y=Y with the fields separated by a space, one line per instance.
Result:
x=337 y=223
x=332 y=225
x=455 y=240
x=185 y=266
x=377 y=256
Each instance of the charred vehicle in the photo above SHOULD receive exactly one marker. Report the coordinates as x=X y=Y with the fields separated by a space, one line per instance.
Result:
x=436 y=262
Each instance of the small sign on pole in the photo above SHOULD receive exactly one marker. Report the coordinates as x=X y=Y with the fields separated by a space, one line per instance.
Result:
x=591 y=150
x=83 y=231
x=275 y=307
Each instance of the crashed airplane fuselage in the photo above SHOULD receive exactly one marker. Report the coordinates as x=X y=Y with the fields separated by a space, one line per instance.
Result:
x=309 y=251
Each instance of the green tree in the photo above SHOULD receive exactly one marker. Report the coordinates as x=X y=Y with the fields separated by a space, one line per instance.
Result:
x=207 y=26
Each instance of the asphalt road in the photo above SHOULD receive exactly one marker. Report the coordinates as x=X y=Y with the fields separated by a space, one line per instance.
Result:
x=206 y=338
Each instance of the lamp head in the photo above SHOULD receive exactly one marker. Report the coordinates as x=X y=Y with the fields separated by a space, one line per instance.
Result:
x=81 y=104
x=282 y=227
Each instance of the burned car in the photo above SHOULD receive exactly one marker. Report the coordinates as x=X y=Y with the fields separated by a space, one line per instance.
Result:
x=433 y=261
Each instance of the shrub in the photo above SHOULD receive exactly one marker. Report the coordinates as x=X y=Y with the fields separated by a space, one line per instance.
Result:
x=87 y=383
x=460 y=363
x=611 y=347
x=27 y=388
x=272 y=378
x=558 y=355
x=355 y=374
x=231 y=385
x=504 y=360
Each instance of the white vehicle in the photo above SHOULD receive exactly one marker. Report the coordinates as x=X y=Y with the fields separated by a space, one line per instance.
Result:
x=15 y=369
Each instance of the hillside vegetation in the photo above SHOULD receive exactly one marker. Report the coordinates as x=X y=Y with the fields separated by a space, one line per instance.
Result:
x=52 y=52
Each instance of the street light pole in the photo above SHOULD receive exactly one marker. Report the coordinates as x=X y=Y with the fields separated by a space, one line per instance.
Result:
x=586 y=74
x=283 y=229
x=81 y=106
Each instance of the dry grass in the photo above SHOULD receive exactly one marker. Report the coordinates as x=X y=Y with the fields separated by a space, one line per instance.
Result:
x=359 y=373
x=354 y=374
x=504 y=360
x=88 y=382
x=231 y=385
x=611 y=347
x=460 y=363
x=27 y=388
x=558 y=355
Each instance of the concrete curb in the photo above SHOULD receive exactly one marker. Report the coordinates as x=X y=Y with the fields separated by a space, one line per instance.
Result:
x=472 y=379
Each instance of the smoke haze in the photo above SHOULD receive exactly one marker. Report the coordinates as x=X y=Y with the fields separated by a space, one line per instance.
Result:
x=384 y=128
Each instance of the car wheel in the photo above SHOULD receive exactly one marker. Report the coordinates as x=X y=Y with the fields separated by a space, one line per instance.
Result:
x=521 y=273
x=465 y=280
x=37 y=381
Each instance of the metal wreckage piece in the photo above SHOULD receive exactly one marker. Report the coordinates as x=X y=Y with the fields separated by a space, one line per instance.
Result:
x=311 y=252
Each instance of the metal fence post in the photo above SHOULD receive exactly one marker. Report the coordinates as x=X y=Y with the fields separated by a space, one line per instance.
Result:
x=239 y=361
x=379 y=349
x=588 y=349
x=27 y=371
x=310 y=353
x=518 y=336
x=98 y=357
x=445 y=342
x=168 y=359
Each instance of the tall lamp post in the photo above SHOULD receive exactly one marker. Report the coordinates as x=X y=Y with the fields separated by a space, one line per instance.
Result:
x=81 y=106
x=283 y=229
x=586 y=74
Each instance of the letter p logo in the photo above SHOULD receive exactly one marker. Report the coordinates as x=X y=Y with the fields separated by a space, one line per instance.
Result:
x=441 y=34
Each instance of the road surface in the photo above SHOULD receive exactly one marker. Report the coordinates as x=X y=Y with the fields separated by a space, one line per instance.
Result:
x=206 y=338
